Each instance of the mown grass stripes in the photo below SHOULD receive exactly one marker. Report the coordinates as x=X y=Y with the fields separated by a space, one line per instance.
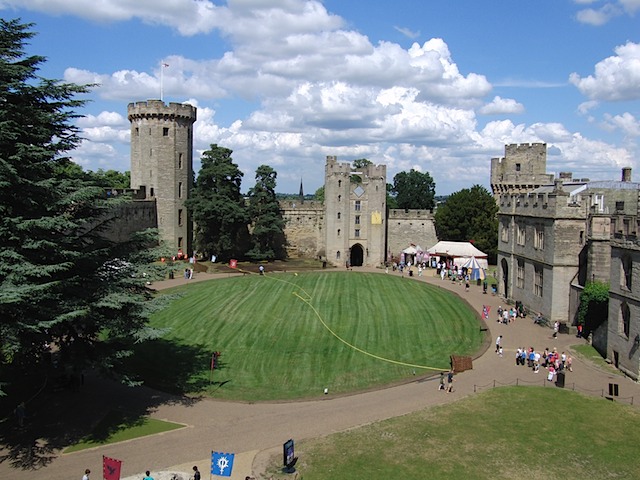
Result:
x=274 y=344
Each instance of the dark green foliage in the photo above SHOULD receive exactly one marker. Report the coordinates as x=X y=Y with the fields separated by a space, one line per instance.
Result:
x=107 y=179
x=319 y=195
x=357 y=166
x=267 y=237
x=594 y=306
x=219 y=210
x=61 y=282
x=392 y=203
x=470 y=215
x=414 y=190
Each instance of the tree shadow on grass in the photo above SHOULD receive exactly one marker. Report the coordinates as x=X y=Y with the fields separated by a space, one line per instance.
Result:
x=59 y=415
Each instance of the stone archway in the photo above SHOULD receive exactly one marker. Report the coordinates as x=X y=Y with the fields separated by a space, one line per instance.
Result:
x=356 y=258
x=505 y=278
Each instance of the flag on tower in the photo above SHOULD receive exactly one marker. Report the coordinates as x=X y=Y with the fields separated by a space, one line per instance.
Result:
x=165 y=64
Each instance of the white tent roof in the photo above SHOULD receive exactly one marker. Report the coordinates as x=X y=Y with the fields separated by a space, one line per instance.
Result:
x=413 y=249
x=456 y=249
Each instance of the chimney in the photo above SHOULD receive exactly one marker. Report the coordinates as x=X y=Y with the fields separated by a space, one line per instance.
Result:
x=626 y=174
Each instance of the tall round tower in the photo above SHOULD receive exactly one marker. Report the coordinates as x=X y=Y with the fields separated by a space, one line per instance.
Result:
x=162 y=164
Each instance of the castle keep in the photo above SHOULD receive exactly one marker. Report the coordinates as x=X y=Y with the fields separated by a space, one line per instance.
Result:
x=162 y=165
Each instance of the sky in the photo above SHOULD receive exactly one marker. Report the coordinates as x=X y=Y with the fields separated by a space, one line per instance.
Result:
x=440 y=86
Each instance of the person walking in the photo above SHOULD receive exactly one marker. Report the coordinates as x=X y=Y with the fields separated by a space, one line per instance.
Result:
x=86 y=474
x=498 y=343
x=196 y=473
x=450 y=381
x=147 y=476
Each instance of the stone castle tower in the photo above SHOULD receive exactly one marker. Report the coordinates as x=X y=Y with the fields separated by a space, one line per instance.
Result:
x=522 y=169
x=355 y=214
x=162 y=165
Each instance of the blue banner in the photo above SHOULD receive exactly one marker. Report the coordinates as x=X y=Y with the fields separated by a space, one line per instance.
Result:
x=221 y=464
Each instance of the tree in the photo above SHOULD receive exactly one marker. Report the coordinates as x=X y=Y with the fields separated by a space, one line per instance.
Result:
x=414 y=190
x=594 y=306
x=470 y=215
x=319 y=195
x=218 y=208
x=358 y=165
x=392 y=203
x=267 y=237
x=62 y=283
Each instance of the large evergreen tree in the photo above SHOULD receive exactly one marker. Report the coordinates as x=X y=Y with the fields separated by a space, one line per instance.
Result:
x=414 y=190
x=219 y=211
x=470 y=215
x=267 y=236
x=62 y=284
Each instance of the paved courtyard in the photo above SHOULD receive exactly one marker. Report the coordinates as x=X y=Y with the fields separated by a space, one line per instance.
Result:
x=255 y=431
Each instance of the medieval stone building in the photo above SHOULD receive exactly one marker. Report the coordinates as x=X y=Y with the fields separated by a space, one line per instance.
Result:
x=554 y=238
x=162 y=165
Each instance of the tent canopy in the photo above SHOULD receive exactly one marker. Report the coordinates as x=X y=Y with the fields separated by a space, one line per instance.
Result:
x=413 y=249
x=476 y=272
x=461 y=252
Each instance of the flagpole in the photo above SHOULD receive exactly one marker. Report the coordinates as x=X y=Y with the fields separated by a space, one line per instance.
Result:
x=162 y=81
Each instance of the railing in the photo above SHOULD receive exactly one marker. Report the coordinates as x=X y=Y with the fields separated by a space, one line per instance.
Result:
x=546 y=383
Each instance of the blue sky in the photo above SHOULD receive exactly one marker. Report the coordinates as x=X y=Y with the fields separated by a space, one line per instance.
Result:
x=439 y=86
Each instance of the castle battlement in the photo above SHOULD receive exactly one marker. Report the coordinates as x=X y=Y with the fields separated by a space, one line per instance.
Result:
x=158 y=109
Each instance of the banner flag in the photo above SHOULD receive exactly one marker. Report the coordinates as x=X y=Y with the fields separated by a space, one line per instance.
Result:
x=111 y=468
x=485 y=311
x=233 y=263
x=222 y=464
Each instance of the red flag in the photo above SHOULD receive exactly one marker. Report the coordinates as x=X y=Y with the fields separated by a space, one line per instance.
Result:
x=111 y=468
x=233 y=263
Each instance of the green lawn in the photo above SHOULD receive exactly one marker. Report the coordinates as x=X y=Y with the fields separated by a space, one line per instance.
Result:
x=118 y=426
x=529 y=433
x=286 y=335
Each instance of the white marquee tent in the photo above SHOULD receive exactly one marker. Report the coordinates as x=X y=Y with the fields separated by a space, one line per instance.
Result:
x=460 y=252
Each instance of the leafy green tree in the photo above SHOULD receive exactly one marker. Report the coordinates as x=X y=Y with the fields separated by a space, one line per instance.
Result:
x=219 y=210
x=267 y=236
x=392 y=203
x=319 y=195
x=62 y=283
x=358 y=165
x=110 y=178
x=594 y=306
x=414 y=190
x=470 y=215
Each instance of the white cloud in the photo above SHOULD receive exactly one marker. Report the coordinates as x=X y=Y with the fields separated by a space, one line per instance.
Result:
x=616 y=78
x=500 y=106
x=610 y=10
x=626 y=123
x=408 y=33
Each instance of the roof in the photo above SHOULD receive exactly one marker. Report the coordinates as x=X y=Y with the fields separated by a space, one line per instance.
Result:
x=456 y=249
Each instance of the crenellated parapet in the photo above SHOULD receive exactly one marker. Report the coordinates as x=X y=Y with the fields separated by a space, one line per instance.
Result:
x=159 y=110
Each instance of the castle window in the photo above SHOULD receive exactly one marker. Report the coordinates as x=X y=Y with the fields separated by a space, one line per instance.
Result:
x=179 y=242
x=339 y=215
x=619 y=206
x=151 y=192
x=518 y=166
x=504 y=233
x=338 y=232
x=179 y=189
x=520 y=274
x=180 y=161
x=179 y=217
x=149 y=131
x=357 y=219
x=521 y=235
x=339 y=198
x=338 y=255
x=537 y=281
x=538 y=239
x=339 y=183
x=357 y=233
x=357 y=205
x=137 y=132
x=626 y=272
x=581 y=237
x=624 y=321
x=165 y=132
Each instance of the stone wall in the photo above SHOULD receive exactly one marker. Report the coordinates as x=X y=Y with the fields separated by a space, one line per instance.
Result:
x=405 y=227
